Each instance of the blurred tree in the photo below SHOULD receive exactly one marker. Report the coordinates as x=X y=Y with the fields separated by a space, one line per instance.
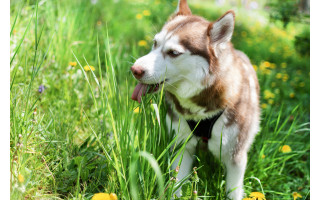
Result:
x=289 y=10
x=297 y=11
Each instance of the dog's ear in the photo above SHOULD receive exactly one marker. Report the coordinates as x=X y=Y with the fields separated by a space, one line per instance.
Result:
x=221 y=30
x=183 y=8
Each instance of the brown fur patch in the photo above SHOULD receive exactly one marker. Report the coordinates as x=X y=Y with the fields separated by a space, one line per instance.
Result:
x=192 y=34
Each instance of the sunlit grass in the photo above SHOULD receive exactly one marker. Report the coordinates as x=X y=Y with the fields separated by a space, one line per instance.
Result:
x=74 y=131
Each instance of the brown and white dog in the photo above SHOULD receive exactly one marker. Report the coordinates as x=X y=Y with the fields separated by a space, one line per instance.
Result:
x=204 y=76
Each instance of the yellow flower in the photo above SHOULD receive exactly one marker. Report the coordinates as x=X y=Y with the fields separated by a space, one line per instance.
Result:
x=291 y=95
x=87 y=68
x=263 y=156
x=72 y=63
x=257 y=196
x=264 y=105
x=247 y=199
x=244 y=34
x=278 y=75
x=285 y=149
x=138 y=16
x=113 y=196
x=296 y=195
x=142 y=43
x=268 y=94
x=302 y=84
x=285 y=77
x=283 y=65
x=255 y=67
x=101 y=196
x=146 y=13
x=99 y=23
x=136 y=110
x=20 y=178
x=267 y=64
x=270 y=101
x=273 y=66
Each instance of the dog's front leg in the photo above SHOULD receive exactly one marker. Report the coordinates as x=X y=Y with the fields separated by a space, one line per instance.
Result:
x=186 y=162
x=235 y=173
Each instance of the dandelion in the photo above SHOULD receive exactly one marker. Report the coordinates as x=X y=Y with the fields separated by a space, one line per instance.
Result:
x=87 y=68
x=283 y=65
x=278 y=75
x=296 y=195
x=101 y=196
x=20 y=178
x=257 y=196
x=244 y=34
x=302 y=84
x=268 y=94
x=291 y=95
x=142 y=43
x=273 y=66
x=264 y=105
x=73 y=64
x=285 y=77
x=255 y=67
x=270 y=101
x=136 y=110
x=146 y=13
x=139 y=16
x=267 y=64
x=41 y=89
x=285 y=149
x=113 y=196
x=263 y=156
x=99 y=23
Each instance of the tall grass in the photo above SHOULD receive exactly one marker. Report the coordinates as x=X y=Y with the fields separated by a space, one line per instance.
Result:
x=82 y=134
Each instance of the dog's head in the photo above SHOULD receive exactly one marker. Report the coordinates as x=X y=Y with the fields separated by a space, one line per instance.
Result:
x=185 y=54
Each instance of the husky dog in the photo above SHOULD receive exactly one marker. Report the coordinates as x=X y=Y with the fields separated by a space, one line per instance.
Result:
x=205 y=80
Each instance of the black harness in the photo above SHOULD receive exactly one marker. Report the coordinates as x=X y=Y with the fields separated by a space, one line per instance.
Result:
x=204 y=127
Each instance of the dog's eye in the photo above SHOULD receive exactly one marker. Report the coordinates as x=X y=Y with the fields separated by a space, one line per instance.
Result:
x=173 y=53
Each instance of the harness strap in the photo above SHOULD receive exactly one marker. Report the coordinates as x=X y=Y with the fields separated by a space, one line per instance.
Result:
x=204 y=128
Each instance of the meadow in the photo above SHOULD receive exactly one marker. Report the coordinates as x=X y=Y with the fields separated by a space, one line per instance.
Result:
x=75 y=132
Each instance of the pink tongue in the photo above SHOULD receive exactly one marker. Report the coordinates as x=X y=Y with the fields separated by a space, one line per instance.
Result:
x=139 y=91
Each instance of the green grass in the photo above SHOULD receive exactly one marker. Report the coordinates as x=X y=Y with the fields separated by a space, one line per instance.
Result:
x=85 y=137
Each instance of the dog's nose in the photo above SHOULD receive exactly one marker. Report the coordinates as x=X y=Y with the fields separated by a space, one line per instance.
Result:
x=137 y=71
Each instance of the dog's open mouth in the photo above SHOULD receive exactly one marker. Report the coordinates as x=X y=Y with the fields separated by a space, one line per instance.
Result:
x=142 y=89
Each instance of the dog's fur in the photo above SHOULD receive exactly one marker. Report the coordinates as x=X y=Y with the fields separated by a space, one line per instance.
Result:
x=204 y=75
